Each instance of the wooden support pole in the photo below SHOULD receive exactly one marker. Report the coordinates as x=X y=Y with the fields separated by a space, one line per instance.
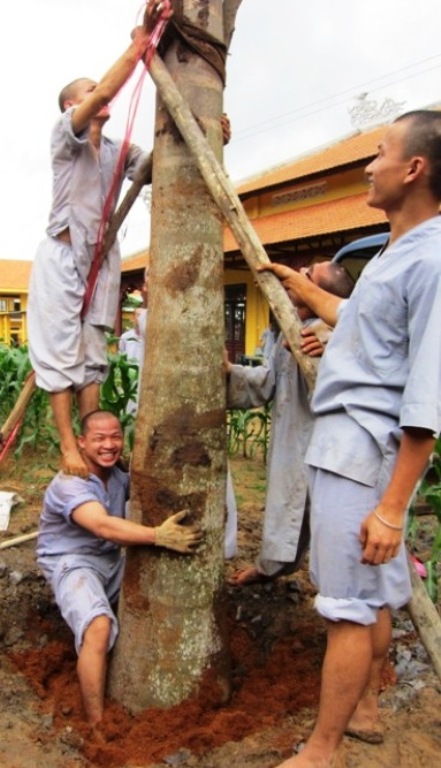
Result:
x=425 y=618
x=19 y=408
x=229 y=203
x=18 y=540
x=142 y=177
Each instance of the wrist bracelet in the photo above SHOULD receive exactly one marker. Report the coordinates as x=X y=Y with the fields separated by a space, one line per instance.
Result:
x=385 y=522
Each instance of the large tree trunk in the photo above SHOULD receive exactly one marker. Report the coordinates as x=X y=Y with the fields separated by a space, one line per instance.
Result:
x=172 y=632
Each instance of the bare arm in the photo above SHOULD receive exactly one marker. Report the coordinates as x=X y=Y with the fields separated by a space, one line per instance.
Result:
x=109 y=85
x=93 y=517
x=323 y=304
x=379 y=540
x=119 y=72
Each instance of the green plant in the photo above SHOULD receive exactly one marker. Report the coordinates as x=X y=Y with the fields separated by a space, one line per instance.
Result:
x=248 y=431
x=119 y=392
x=38 y=426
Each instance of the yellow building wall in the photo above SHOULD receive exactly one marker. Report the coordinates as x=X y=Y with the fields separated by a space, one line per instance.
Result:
x=257 y=310
x=305 y=194
x=13 y=328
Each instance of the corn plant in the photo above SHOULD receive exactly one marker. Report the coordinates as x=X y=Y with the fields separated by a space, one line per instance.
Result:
x=248 y=431
x=119 y=392
x=37 y=427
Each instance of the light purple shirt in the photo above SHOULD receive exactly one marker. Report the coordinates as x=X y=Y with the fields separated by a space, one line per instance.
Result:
x=58 y=533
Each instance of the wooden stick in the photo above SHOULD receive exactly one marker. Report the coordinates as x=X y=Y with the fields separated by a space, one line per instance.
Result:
x=425 y=618
x=142 y=177
x=18 y=540
x=19 y=408
x=229 y=203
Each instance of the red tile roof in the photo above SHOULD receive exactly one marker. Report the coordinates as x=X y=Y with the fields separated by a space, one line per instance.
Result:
x=137 y=261
x=353 y=149
x=330 y=217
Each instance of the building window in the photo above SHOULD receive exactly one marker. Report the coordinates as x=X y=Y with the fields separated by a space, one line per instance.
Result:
x=235 y=305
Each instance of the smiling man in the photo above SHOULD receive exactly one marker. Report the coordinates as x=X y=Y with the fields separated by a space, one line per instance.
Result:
x=82 y=530
x=376 y=407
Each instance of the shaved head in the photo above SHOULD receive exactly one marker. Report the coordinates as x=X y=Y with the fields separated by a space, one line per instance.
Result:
x=71 y=90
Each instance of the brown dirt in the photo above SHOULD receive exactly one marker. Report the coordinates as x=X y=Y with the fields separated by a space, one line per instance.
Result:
x=277 y=645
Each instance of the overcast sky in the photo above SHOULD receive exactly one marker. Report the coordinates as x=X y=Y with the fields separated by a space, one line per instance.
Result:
x=295 y=70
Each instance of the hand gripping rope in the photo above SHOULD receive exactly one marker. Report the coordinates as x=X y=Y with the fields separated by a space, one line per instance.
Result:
x=147 y=54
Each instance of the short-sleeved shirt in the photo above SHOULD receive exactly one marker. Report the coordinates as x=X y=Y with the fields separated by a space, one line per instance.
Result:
x=58 y=533
x=81 y=182
x=382 y=367
x=131 y=344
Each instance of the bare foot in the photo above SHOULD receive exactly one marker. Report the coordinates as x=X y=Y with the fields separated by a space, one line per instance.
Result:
x=369 y=731
x=248 y=575
x=365 y=724
x=72 y=463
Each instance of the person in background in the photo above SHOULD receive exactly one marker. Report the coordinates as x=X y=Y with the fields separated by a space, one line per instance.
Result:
x=131 y=341
x=280 y=381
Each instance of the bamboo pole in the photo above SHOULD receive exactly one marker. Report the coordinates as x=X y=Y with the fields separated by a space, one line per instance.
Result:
x=18 y=540
x=19 y=408
x=142 y=177
x=229 y=203
x=425 y=618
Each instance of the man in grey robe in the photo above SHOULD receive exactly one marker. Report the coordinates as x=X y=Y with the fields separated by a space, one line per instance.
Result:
x=280 y=381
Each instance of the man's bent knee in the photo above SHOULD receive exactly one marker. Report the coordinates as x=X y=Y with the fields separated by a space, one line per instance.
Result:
x=97 y=633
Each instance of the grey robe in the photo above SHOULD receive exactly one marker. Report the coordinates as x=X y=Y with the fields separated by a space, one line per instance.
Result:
x=279 y=381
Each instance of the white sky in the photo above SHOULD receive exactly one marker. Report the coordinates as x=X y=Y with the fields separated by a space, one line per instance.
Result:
x=294 y=71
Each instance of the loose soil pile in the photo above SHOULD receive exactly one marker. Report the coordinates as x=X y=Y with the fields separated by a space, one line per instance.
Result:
x=277 y=644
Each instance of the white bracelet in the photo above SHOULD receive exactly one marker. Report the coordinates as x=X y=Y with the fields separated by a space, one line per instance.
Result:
x=385 y=522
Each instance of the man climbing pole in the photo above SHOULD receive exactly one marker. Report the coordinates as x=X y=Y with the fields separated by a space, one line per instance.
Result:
x=68 y=312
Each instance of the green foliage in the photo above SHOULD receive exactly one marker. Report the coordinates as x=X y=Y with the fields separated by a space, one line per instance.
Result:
x=119 y=391
x=38 y=427
x=248 y=432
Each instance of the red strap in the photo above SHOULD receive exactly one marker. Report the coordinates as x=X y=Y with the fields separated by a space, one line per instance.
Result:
x=9 y=440
x=118 y=172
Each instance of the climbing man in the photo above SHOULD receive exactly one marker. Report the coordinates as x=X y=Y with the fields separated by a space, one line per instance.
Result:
x=67 y=344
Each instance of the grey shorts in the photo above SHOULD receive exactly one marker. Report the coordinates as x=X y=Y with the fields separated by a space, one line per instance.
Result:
x=349 y=590
x=64 y=351
x=85 y=587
